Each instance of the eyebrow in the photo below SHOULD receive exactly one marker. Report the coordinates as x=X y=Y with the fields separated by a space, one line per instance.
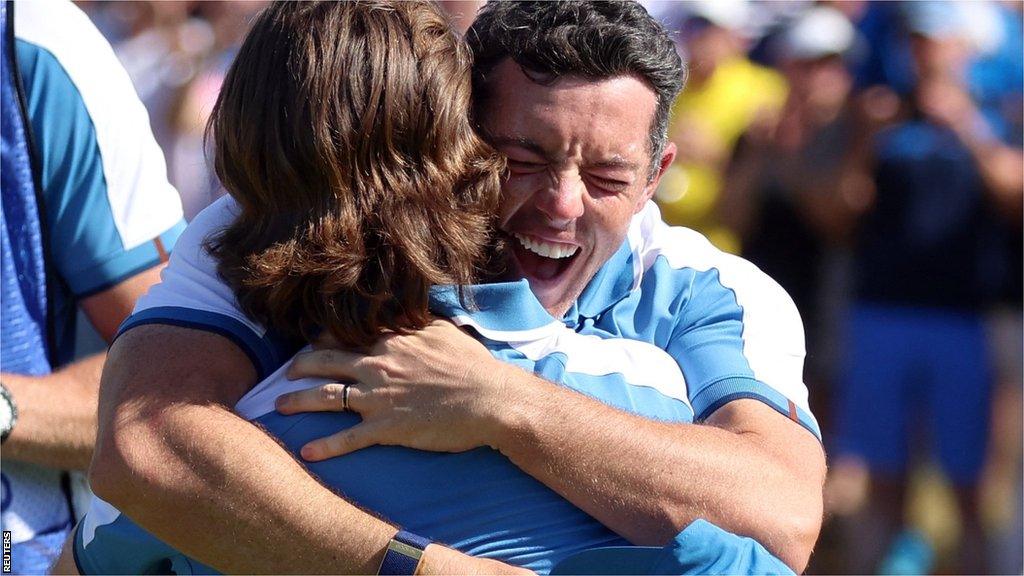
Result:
x=526 y=143
x=615 y=162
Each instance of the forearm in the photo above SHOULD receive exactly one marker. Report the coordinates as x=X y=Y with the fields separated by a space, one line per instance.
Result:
x=56 y=415
x=175 y=458
x=220 y=490
x=1000 y=166
x=647 y=480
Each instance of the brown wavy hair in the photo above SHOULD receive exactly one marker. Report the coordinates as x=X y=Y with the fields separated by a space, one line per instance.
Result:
x=343 y=132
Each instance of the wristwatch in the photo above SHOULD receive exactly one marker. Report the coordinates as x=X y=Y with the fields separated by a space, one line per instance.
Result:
x=8 y=413
x=403 y=553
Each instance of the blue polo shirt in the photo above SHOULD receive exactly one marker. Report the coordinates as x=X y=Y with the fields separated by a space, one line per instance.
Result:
x=932 y=238
x=665 y=334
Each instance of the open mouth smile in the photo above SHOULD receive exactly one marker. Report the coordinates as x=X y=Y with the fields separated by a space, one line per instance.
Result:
x=543 y=260
x=546 y=249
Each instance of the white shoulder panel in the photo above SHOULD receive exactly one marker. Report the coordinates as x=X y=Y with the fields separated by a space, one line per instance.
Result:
x=190 y=279
x=143 y=202
x=773 y=334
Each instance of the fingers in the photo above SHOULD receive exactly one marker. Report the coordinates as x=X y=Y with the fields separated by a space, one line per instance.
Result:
x=326 y=398
x=329 y=398
x=347 y=441
x=326 y=363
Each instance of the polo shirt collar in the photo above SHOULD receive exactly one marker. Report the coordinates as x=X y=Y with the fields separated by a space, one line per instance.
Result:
x=505 y=311
x=613 y=282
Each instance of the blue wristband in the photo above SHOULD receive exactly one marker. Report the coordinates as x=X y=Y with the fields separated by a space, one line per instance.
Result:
x=403 y=554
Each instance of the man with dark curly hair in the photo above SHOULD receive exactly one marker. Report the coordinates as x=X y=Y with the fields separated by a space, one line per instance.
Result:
x=576 y=95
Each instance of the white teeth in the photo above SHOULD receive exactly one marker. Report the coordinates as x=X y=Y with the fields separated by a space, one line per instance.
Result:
x=546 y=249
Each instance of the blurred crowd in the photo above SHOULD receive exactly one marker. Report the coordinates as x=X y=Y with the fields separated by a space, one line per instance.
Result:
x=866 y=155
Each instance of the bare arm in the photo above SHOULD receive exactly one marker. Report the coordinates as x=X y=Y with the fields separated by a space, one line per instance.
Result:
x=60 y=433
x=52 y=432
x=1001 y=167
x=169 y=442
x=750 y=470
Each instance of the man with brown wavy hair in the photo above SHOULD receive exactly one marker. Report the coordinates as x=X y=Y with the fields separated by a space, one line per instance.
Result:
x=363 y=186
x=356 y=182
x=573 y=96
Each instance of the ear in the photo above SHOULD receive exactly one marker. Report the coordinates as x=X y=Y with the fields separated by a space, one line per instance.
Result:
x=668 y=155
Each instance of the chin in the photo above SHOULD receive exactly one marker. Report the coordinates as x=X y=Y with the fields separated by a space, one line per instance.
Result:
x=555 y=295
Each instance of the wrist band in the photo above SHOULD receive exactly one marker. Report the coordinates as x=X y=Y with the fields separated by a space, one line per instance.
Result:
x=403 y=553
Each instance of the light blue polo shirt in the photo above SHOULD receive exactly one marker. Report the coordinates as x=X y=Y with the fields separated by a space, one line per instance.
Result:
x=648 y=336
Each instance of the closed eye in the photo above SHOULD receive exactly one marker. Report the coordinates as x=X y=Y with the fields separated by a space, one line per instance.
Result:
x=608 y=184
x=521 y=167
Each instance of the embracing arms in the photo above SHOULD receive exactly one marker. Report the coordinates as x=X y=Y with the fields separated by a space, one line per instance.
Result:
x=173 y=456
x=749 y=469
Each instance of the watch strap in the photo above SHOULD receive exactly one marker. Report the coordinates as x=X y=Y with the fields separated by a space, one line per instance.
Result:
x=403 y=553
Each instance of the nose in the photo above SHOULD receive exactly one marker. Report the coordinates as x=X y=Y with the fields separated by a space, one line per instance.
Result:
x=562 y=202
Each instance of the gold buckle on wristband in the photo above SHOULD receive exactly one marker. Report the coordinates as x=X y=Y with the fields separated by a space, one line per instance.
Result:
x=405 y=550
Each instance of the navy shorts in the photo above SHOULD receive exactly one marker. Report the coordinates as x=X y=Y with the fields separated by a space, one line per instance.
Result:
x=907 y=367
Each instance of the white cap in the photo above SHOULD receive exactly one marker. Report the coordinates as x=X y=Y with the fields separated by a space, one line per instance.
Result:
x=935 y=19
x=730 y=14
x=978 y=23
x=821 y=31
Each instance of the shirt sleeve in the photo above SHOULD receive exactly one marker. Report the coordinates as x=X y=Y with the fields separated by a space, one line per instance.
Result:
x=110 y=210
x=740 y=336
x=108 y=542
x=192 y=294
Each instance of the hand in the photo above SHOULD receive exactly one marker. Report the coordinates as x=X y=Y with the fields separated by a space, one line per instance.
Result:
x=875 y=107
x=436 y=389
x=946 y=103
x=440 y=560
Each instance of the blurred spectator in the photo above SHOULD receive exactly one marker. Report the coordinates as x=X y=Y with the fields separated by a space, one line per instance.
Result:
x=176 y=53
x=189 y=164
x=997 y=81
x=725 y=95
x=781 y=192
x=930 y=258
x=87 y=220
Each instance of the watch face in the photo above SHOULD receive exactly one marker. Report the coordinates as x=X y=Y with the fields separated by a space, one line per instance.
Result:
x=6 y=414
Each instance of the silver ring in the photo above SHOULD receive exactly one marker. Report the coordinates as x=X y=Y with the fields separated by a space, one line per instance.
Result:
x=344 y=398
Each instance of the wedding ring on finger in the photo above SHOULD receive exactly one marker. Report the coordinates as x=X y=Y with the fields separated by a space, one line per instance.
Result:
x=344 y=398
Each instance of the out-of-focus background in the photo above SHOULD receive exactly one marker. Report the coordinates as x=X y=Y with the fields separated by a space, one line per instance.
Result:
x=866 y=155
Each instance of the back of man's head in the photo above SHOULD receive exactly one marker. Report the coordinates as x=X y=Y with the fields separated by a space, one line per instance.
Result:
x=595 y=40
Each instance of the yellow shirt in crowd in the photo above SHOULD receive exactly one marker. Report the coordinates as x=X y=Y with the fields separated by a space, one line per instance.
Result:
x=717 y=113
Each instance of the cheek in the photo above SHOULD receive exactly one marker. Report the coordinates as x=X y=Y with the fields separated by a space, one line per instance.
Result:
x=610 y=221
x=515 y=191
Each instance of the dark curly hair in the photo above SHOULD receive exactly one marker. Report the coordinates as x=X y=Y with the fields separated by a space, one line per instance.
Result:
x=595 y=40
x=343 y=132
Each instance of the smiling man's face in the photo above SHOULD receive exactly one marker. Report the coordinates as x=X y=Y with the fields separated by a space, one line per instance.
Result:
x=579 y=165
